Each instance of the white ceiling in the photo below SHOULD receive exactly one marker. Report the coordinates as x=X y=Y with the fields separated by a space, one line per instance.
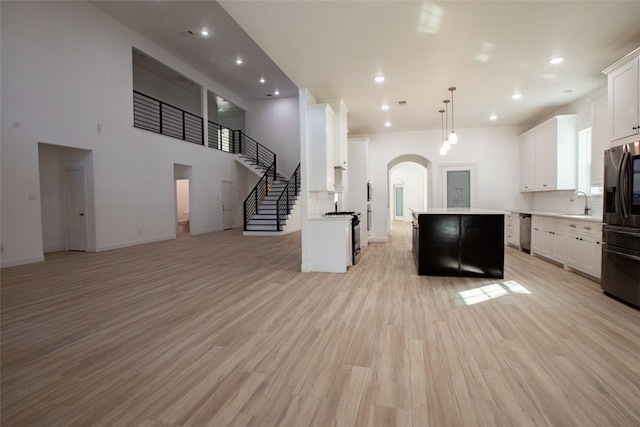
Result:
x=487 y=49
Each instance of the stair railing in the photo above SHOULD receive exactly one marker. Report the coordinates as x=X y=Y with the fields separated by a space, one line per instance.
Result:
x=257 y=195
x=286 y=199
x=256 y=152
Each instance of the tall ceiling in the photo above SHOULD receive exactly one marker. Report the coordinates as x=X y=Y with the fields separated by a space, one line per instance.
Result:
x=488 y=50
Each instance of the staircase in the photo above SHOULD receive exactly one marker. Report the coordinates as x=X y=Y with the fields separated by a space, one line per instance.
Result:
x=268 y=208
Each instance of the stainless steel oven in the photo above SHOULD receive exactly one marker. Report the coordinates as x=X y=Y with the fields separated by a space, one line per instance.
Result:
x=621 y=233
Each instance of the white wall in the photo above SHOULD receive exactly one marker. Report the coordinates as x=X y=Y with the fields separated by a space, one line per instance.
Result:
x=67 y=67
x=275 y=123
x=495 y=150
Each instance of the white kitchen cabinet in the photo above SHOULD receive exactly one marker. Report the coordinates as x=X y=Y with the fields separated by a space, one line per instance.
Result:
x=330 y=244
x=554 y=241
x=584 y=247
x=550 y=150
x=536 y=234
x=320 y=137
x=342 y=181
x=512 y=228
x=340 y=149
x=624 y=97
x=599 y=138
x=527 y=161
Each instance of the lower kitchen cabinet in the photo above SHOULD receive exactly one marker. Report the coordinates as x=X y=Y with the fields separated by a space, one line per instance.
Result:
x=330 y=244
x=463 y=245
x=512 y=222
x=584 y=248
x=554 y=240
x=575 y=244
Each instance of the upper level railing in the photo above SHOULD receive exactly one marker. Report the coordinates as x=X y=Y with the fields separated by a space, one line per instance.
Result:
x=156 y=116
x=287 y=198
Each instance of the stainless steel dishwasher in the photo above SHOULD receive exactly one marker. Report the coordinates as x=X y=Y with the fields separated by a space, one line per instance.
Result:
x=525 y=232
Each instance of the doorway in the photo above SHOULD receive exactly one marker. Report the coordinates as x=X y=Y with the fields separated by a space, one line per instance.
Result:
x=75 y=208
x=182 y=206
x=66 y=198
x=458 y=182
x=183 y=214
x=227 y=205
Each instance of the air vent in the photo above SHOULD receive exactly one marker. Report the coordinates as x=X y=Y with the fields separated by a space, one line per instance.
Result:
x=402 y=103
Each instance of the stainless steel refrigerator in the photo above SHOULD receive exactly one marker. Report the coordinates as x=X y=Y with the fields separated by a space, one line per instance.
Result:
x=621 y=231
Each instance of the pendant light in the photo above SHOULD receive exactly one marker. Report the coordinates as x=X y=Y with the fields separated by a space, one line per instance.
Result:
x=453 y=138
x=443 y=150
x=446 y=144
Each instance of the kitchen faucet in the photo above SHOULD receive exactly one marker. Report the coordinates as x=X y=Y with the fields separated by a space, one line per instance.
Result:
x=587 y=211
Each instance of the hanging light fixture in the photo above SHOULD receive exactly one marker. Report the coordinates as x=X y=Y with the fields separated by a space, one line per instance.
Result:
x=453 y=138
x=443 y=150
x=446 y=144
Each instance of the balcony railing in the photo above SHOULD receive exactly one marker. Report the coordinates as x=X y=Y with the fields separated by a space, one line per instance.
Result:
x=156 y=116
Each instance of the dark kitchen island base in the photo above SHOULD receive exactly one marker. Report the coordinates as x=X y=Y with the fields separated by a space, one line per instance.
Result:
x=466 y=243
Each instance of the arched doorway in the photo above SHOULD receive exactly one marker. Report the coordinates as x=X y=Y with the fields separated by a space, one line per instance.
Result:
x=408 y=187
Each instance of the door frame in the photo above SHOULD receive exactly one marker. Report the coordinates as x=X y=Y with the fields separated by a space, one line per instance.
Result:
x=452 y=167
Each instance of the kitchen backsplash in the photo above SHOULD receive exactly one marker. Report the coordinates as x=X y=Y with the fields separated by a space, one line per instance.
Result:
x=559 y=201
x=320 y=202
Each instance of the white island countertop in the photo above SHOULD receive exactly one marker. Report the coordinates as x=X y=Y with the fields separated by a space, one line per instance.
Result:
x=459 y=211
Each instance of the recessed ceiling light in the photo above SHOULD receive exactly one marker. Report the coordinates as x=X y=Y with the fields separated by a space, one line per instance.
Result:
x=239 y=61
x=516 y=96
x=385 y=107
x=556 y=60
x=262 y=80
x=493 y=117
x=387 y=123
x=277 y=92
x=378 y=79
x=204 y=32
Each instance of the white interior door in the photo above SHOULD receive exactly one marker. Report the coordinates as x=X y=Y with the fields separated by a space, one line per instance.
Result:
x=227 y=205
x=458 y=185
x=75 y=193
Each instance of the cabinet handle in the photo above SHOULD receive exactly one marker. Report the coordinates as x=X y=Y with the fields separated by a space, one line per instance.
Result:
x=572 y=225
x=587 y=228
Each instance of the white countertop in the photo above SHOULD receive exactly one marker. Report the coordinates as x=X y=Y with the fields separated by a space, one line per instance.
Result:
x=332 y=218
x=459 y=211
x=591 y=218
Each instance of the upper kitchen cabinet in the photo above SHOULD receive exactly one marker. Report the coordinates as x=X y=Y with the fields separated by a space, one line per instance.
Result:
x=340 y=150
x=527 y=164
x=624 y=98
x=321 y=145
x=549 y=151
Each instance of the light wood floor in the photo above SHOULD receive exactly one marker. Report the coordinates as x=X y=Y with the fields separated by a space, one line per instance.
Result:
x=220 y=329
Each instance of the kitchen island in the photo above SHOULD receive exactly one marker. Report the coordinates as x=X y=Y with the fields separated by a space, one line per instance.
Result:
x=459 y=242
